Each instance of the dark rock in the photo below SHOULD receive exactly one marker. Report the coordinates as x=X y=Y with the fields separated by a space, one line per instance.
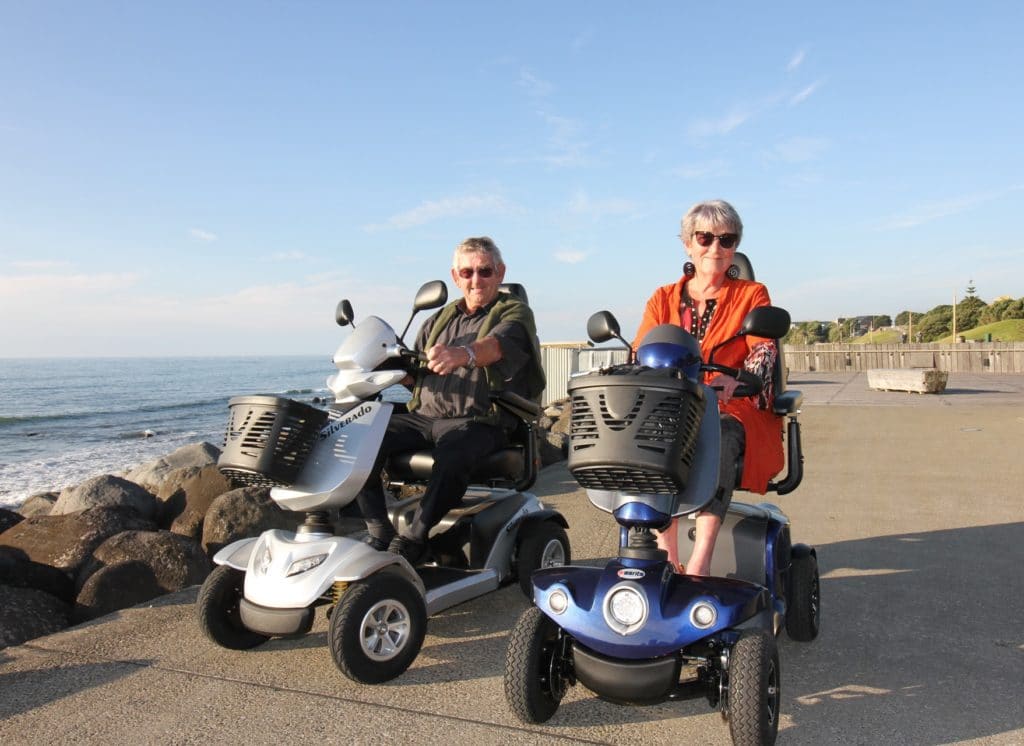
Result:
x=17 y=570
x=105 y=491
x=241 y=513
x=8 y=518
x=151 y=475
x=115 y=587
x=40 y=504
x=195 y=497
x=27 y=613
x=176 y=561
x=67 y=541
x=553 y=448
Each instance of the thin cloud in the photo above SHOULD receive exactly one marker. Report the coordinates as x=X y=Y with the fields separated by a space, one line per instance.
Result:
x=722 y=126
x=533 y=85
x=799 y=149
x=202 y=235
x=41 y=265
x=581 y=204
x=931 y=211
x=449 y=207
x=795 y=61
x=41 y=285
x=700 y=170
x=570 y=257
x=805 y=94
x=288 y=256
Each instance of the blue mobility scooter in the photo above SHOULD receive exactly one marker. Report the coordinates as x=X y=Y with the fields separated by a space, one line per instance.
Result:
x=644 y=442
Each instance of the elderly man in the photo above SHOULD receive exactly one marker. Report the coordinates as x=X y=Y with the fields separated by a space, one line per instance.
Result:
x=484 y=342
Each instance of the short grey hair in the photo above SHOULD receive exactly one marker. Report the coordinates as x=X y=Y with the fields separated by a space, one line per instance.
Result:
x=712 y=212
x=478 y=245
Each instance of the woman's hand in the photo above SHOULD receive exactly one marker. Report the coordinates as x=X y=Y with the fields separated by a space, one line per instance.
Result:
x=724 y=387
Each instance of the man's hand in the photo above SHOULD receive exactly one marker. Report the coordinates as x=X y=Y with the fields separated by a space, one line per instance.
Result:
x=442 y=359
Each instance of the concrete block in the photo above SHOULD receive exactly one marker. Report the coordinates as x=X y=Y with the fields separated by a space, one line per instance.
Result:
x=919 y=380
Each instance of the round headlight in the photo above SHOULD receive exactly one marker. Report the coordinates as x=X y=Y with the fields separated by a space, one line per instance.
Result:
x=625 y=608
x=558 y=601
x=703 y=615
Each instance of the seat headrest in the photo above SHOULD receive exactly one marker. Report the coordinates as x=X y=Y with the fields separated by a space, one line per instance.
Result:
x=515 y=289
x=746 y=270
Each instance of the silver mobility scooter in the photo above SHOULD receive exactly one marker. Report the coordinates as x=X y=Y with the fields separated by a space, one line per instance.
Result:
x=316 y=462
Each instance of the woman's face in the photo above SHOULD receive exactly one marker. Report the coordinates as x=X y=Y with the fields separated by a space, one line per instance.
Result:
x=713 y=259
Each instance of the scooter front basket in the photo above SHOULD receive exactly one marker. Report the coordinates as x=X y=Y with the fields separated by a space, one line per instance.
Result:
x=634 y=429
x=268 y=440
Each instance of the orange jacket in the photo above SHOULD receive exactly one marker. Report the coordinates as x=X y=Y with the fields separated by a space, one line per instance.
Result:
x=762 y=458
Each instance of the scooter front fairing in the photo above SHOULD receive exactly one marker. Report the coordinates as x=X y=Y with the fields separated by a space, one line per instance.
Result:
x=640 y=609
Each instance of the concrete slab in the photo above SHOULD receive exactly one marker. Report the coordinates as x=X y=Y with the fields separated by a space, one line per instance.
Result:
x=916 y=512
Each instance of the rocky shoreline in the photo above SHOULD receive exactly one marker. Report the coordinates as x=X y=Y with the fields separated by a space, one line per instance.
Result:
x=115 y=541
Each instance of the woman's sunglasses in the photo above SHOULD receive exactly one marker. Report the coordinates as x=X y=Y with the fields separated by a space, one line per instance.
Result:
x=466 y=272
x=725 y=240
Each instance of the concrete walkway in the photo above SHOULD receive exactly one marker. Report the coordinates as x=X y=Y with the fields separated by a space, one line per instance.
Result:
x=914 y=502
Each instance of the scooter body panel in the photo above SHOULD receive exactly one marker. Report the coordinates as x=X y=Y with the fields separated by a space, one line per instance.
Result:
x=668 y=600
x=274 y=577
x=340 y=462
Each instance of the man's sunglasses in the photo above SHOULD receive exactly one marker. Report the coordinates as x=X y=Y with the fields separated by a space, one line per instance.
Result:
x=725 y=240
x=466 y=272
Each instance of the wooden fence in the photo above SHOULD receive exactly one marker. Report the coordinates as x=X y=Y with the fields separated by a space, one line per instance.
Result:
x=965 y=357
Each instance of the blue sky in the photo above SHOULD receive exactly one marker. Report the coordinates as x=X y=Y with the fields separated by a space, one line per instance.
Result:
x=211 y=178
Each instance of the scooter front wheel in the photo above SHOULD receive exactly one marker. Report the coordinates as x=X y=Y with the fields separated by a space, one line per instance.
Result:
x=377 y=629
x=754 y=691
x=534 y=682
x=217 y=608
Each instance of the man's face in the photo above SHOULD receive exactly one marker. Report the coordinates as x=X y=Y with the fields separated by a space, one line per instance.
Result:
x=478 y=278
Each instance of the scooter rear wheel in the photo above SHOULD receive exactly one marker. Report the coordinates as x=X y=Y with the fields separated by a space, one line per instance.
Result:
x=754 y=692
x=217 y=609
x=377 y=629
x=540 y=545
x=534 y=685
x=803 y=607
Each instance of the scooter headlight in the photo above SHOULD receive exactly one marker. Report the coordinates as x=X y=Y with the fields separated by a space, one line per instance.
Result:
x=625 y=608
x=308 y=563
x=262 y=560
x=703 y=615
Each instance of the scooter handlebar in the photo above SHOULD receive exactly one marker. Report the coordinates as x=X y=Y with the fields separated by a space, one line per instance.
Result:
x=750 y=384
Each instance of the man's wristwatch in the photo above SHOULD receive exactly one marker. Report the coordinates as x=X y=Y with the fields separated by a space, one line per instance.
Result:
x=471 y=363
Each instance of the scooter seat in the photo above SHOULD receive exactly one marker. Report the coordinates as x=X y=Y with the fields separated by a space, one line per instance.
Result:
x=416 y=466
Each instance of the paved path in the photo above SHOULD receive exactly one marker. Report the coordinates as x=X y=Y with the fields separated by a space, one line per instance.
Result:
x=914 y=503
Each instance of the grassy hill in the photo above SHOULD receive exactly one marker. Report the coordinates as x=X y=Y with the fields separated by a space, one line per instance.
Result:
x=1009 y=330
x=878 y=337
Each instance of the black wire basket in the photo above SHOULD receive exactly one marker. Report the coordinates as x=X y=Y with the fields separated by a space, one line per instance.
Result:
x=268 y=440
x=634 y=429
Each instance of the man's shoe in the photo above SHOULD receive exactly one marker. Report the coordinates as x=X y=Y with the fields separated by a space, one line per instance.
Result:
x=413 y=551
x=376 y=542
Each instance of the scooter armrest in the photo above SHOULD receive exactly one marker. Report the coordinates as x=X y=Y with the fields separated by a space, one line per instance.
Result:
x=518 y=405
x=788 y=402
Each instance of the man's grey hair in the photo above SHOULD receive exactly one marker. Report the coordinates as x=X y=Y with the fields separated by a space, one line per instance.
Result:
x=477 y=245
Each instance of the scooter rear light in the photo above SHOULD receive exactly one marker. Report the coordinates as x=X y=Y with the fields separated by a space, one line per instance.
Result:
x=703 y=615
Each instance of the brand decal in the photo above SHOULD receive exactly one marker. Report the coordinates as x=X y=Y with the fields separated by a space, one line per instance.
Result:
x=628 y=574
x=346 y=420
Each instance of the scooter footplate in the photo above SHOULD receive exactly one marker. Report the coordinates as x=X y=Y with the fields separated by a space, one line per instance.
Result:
x=275 y=621
x=632 y=682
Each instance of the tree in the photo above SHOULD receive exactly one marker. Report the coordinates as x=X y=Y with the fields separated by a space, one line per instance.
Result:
x=935 y=324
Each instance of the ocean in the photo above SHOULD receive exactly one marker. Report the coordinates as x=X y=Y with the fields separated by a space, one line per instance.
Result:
x=63 y=420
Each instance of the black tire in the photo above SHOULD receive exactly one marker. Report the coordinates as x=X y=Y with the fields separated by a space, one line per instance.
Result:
x=534 y=685
x=217 y=608
x=803 y=607
x=377 y=629
x=541 y=545
x=754 y=690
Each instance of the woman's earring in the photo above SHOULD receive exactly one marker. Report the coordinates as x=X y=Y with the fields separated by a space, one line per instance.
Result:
x=689 y=269
x=733 y=272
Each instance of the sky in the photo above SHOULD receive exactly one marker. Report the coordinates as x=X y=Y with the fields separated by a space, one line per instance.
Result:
x=196 y=178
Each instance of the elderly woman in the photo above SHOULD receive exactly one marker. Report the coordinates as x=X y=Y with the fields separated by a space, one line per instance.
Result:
x=710 y=305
